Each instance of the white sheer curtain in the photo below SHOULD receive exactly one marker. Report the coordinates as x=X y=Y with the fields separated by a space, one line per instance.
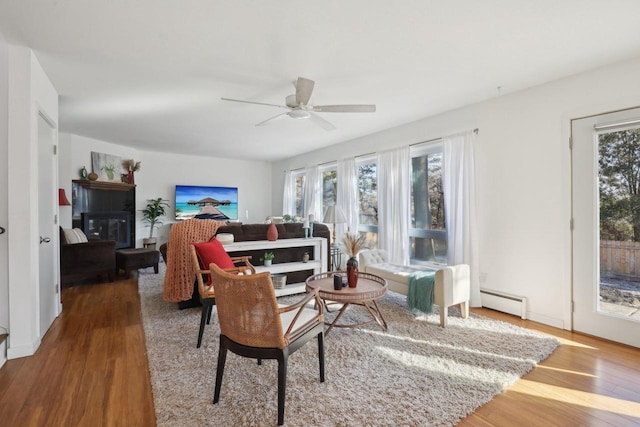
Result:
x=461 y=208
x=394 y=184
x=347 y=196
x=288 y=196
x=313 y=193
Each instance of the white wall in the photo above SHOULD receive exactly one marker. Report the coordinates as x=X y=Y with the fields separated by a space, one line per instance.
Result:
x=65 y=175
x=30 y=92
x=160 y=172
x=523 y=177
x=4 y=212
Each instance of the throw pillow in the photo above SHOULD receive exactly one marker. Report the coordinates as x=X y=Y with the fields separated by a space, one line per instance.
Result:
x=213 y=252
x=73 y=236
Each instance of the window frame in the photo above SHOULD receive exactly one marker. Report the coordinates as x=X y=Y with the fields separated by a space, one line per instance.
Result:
x=324 y=168
x=363 y=160
x=419 y=150
x=295 y=175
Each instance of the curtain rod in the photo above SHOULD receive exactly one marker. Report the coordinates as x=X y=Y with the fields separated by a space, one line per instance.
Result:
x=619 y=124
x=476 y=130
x=326 y=163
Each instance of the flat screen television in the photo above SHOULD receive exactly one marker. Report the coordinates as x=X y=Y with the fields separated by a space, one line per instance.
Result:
x=198 y=201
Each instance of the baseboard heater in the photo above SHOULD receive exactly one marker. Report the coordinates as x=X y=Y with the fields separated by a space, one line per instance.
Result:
x=505 y=303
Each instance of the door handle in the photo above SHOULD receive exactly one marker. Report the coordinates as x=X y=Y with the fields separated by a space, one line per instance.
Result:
x=44 y=239
x=2 y=230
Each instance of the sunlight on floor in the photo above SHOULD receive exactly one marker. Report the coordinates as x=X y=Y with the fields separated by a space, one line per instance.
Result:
x=579 y=398
x=568 y=342
x=443 y=366
x=451 y=347
x=565 y=371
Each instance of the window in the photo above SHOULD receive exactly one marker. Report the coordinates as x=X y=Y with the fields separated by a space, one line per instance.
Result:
x=428 y=231
x=368 y=199
x=329 y=186
x=298 y=180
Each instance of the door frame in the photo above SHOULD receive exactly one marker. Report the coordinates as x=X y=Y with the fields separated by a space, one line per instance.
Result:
x=607 y=321
x=51 y=299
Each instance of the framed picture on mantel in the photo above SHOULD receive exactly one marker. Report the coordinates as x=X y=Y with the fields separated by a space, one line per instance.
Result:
x=106 y=166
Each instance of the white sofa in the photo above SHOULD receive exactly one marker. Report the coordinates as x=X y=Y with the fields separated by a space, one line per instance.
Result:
x=451 y=287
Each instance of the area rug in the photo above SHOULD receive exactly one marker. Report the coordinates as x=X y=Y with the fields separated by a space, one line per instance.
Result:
x=414 y=374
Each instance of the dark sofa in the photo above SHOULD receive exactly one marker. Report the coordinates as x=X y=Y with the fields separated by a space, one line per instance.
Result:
x=87 y=260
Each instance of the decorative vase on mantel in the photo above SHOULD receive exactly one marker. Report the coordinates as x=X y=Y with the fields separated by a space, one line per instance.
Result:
x=352 y=272
x=131 y=178
x=272 y=233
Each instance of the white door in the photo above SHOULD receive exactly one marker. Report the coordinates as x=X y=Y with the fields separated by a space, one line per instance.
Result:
x=594 y=312
x=47 y=201
x=4 y=213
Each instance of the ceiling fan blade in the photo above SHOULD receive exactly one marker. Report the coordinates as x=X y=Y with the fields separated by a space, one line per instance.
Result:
x=264 y=122
x=321 y=122
x=344 y=108
x=257 y=103
x=304 y=88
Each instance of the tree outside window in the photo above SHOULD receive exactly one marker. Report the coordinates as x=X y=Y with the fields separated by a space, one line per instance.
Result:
x=427 y=233
x=329 y=188
x=299 y=180
x=619 y=171
x=368 y=201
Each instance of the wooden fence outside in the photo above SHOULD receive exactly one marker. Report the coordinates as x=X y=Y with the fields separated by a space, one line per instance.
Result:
x=620 y=260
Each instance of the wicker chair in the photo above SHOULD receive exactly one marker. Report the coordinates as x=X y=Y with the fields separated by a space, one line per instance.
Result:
x=205 y=288
x=253 y=325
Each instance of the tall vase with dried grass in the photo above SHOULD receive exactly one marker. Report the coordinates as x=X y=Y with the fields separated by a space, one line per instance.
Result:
x=353 y=243
x=131 y=166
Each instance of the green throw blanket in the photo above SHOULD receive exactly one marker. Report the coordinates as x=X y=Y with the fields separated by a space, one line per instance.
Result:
x=420 y=295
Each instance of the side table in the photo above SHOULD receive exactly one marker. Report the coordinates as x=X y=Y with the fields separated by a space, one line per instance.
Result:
x=370 y=288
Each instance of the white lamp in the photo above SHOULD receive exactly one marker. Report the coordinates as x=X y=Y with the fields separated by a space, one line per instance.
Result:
x=334 y=215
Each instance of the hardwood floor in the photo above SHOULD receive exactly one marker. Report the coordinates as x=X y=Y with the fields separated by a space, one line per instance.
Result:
x=585 y=382
x=91 y=370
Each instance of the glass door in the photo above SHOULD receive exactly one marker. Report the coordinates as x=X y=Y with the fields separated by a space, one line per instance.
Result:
x=606 y=221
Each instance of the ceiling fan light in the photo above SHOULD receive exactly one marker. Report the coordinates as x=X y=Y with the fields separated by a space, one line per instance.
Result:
x=299 y=114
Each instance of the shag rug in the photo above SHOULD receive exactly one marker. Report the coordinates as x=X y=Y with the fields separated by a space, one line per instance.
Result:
x=415 y=374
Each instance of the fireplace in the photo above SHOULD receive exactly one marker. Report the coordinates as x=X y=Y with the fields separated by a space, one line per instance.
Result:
x=105 y=210
x=108 y=226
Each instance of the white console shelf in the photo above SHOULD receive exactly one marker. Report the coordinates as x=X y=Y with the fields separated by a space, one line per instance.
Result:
x=318 y=264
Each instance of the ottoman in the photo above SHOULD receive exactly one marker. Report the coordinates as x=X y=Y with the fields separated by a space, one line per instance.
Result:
x=133 y=259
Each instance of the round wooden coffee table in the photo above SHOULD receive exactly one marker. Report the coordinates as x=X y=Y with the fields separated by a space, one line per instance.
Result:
x=370 y=288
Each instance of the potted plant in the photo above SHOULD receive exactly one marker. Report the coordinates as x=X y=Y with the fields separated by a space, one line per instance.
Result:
x=267 y=258
x=151 y=214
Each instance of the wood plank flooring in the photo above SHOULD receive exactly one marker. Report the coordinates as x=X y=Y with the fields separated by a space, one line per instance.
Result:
x=91 y=370
x=585 y=382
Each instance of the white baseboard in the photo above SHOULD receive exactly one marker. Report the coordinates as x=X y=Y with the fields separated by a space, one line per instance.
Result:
x=16 y=352
x=3 y=353
x=547 y=320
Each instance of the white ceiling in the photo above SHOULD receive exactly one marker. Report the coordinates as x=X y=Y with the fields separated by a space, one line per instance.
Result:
x=150 y=73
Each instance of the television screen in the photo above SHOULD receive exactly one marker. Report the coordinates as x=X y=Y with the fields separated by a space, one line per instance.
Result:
x=196 y=201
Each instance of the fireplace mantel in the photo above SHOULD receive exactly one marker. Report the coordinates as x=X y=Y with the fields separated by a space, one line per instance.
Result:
x=104 y=185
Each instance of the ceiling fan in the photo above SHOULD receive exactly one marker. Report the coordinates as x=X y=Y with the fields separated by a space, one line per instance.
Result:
x=299 y=107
